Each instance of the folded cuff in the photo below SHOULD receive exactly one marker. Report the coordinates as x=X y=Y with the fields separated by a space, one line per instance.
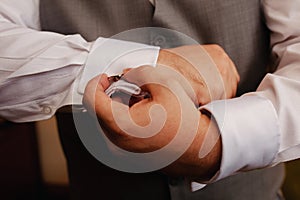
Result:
x=250 y=133
x=111 y=56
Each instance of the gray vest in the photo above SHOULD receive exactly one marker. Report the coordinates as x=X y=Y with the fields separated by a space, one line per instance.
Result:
x=236 y=25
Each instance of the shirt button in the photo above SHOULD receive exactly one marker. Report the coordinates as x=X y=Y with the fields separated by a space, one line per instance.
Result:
x=47 y=110
x=159 y=40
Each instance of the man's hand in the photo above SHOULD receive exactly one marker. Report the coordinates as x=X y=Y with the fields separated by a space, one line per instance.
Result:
x=184 y=78
x=208 y=68
x=155 y=122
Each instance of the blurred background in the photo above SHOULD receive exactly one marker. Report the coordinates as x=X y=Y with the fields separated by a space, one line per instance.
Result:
x=33 y=165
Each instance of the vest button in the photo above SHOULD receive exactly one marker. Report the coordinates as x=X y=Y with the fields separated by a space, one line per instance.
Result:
x=159 y=40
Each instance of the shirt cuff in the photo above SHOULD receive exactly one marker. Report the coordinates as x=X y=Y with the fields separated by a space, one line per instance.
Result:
x=195 y=186
x=250 y=133
x=111 y=56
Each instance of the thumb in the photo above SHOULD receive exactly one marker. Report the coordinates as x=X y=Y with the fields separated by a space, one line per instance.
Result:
x=94 y=96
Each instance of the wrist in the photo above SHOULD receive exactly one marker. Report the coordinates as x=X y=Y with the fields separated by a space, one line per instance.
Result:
x=192 y=163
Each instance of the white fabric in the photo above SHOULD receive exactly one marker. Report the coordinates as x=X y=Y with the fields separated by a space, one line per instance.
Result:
x=262 y=128
x=124 y=87
x=248 y=124
x=152 y=2
x=43 y=71
x=116 y=55
x=40 y=70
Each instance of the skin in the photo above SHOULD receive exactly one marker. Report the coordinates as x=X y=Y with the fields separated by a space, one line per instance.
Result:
x=175 y=84
x=188 y=61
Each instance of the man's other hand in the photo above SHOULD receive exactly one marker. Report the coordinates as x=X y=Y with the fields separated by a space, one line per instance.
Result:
x=151 y=124
x=208 y=68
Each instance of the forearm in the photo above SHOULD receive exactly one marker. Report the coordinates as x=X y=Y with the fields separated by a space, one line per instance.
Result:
x=283 y=86
x=202 y=159
x=47 y=70
x=40 y=68
x=262 y=127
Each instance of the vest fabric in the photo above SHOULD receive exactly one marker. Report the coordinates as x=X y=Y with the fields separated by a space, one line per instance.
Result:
x=236 y=25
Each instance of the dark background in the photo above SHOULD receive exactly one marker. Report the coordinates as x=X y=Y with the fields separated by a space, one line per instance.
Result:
x=20 y=173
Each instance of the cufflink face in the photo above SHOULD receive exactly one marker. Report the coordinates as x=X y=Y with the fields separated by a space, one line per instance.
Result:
x=125 y=92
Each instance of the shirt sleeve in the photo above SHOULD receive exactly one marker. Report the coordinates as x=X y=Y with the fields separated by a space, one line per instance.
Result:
x=43 y=71
x=262 y=128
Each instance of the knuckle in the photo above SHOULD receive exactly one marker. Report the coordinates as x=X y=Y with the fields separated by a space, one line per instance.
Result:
x=221 y=52
x=146 y=70
x=138 y=74
x=218 y=48
x=142 y=70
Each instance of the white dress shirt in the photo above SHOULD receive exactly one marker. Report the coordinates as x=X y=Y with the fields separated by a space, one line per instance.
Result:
x=41 y=71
